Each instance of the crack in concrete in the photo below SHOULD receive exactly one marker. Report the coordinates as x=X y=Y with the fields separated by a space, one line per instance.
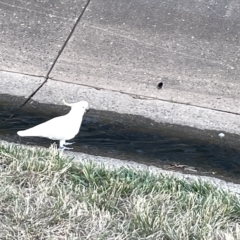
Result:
x=135 y=96
x=143 y=97
x=58 y=55
x=25 y=74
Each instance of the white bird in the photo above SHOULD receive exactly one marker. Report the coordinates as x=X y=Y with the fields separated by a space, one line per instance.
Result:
x=60 y=128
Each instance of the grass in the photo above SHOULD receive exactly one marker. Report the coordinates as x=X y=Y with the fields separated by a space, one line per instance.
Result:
x=46 y=196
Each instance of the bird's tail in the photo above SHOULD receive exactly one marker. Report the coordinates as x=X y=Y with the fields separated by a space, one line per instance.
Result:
x=21 y=133
x=25 y=133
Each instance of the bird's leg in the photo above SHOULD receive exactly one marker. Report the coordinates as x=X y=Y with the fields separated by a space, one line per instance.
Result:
x=62 y=143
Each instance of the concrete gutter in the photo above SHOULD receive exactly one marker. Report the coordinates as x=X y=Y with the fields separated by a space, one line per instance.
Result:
x=160 y=111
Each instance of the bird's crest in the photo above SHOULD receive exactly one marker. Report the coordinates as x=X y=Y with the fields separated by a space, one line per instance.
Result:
x=67 y=104
x=78 y=105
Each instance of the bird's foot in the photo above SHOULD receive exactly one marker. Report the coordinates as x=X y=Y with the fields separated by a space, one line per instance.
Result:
x=65 y=148
x=62 y=144
x=69 y=143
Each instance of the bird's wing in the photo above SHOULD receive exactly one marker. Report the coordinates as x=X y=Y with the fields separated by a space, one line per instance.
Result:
x=56 y=128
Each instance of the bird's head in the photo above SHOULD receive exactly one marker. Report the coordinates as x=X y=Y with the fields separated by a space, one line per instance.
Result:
x=82 y=105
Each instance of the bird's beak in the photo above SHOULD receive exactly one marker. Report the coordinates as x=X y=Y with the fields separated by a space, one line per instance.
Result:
x=87 y=110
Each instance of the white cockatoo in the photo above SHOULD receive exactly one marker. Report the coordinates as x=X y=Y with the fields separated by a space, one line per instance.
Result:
x=60 y=128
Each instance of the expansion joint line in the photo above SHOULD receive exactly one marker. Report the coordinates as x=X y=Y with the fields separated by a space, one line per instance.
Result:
x=59 y=54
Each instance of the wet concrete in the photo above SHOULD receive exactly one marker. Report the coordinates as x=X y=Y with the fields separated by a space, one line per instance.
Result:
x=130 y=137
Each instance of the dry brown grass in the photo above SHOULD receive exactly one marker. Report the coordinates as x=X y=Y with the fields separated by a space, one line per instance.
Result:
x=45 y=196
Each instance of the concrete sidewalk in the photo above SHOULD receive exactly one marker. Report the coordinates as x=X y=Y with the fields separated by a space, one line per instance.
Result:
x=121 y=50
